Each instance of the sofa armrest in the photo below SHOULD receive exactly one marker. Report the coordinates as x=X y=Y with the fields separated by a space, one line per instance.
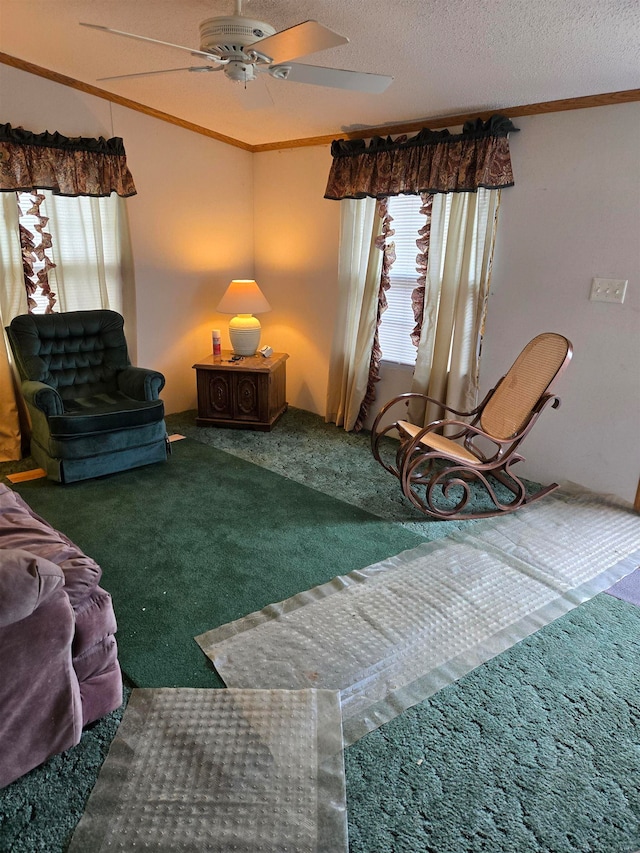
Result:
x=42 y=397
x=26 y=581
x=139 y=383
x=22 y=529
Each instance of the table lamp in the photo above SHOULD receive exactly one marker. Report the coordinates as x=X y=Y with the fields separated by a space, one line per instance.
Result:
x=244 y=298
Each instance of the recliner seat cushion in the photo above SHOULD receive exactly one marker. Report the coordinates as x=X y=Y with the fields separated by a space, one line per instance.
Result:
x=104 y=413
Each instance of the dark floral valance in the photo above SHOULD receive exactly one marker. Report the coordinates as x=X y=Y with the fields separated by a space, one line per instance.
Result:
x=433 y=161
x=67 y=166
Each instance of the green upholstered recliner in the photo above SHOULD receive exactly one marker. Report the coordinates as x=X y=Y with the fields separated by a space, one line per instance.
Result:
x=92 y=413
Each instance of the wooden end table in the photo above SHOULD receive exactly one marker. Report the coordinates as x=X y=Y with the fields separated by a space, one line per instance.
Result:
x=245 y=394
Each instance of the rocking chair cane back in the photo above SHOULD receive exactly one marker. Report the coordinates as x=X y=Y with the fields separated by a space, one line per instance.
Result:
x=437 y=472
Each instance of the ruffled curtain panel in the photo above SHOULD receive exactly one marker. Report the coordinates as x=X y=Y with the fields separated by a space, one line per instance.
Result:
x=430 y=162
x=359 y=271
x=459 y=178
x=67 y=166
x=387 y=247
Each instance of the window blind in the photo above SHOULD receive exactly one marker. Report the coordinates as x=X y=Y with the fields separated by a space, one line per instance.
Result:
x=398 y=320
x=86 y=249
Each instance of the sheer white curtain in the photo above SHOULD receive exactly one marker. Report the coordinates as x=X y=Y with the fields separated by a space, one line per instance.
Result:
x=91 y=248
x=359 y=269
x=457 y=288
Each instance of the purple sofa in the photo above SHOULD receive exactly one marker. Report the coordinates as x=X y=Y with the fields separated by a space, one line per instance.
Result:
x=59 y=668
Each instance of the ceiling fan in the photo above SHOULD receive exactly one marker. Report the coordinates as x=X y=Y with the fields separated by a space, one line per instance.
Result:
x=243 y=48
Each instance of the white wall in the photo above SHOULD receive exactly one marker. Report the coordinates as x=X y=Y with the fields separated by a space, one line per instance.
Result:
x=573 y=214
x=296 y=264
x=192 y=232
x=191 y=222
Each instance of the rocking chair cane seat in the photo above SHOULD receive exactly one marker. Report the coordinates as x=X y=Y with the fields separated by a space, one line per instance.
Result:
x=437 y=472
x=438 y=442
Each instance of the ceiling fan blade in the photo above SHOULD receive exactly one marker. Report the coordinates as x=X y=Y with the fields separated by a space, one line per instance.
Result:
x=162 y=71
x=300 y=40
x=191 y=50
x=335 y=78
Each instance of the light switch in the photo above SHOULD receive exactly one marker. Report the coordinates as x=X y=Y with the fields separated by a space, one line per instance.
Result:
x=608 y=290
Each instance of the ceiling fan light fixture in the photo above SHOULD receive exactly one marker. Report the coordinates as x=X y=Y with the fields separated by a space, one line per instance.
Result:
x=240 y=72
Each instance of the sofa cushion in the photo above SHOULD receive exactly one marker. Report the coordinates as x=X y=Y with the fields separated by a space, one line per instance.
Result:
x=21 y=528
x=26 y=580
x=95 y=620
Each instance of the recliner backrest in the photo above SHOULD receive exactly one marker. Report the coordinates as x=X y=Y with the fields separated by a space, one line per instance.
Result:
x=79 y=353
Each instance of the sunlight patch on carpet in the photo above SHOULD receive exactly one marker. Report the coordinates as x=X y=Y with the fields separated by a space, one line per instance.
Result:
x=221 y=770
x=393 y=634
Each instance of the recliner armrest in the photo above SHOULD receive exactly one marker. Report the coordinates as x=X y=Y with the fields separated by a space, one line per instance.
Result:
x=139 y=383
x=26 y=581
x=43 y=397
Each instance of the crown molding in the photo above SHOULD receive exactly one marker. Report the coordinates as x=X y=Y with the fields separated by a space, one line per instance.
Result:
x=582 y=103
x=87 y=88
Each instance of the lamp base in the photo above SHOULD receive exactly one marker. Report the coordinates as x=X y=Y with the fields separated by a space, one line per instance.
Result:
x=244 y=333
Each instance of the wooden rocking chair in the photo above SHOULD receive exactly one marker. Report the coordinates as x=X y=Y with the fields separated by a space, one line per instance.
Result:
x=437 y=472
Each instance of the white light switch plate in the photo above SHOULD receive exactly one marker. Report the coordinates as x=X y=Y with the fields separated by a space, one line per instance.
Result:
x=608 y=290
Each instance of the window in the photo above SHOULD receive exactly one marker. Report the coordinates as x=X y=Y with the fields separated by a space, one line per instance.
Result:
x=468 y=260
x=398 y=321
x=76 y=247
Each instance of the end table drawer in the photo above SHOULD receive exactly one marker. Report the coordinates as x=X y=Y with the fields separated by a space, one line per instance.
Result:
x=250 y=393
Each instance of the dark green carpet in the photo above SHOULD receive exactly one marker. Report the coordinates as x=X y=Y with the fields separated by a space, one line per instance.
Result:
x=200 y=541
x=40 y=811
x=537 y=751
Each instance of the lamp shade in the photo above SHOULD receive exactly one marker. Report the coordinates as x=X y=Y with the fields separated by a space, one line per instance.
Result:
x=243 y=296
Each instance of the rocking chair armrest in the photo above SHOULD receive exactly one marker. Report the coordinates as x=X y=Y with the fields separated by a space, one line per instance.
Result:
x=542 y=404
x=450 y=409
x=42 y=397
x=414 y=395
x=516 y=437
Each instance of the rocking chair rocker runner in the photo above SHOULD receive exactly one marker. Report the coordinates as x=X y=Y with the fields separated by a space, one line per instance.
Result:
x=437 y=472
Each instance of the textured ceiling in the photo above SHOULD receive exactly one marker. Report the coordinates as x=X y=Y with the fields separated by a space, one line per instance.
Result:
x=447 y=57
